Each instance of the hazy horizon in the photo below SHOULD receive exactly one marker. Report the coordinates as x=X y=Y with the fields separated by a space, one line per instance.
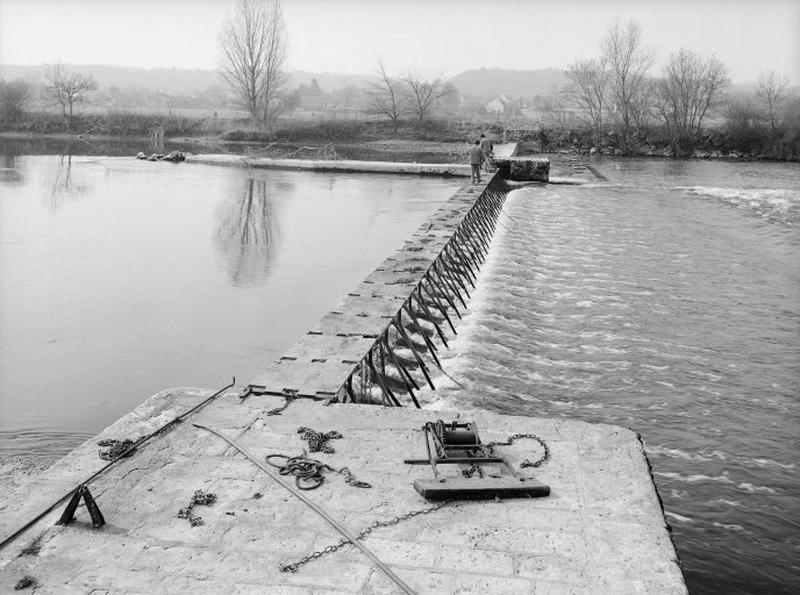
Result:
x=435 y=37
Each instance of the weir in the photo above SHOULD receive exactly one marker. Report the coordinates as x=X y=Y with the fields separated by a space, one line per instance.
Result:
x=381 y=337
x=598 y=526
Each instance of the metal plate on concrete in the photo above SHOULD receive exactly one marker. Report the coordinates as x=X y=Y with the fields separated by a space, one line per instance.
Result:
x=348 y=325
x=329 y=347
x=395 y=278
x=383 y=290
x=374 y=306
x=305 y=379
x=480 y=488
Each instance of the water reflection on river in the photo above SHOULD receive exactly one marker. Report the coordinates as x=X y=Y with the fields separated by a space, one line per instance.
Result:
x=120 y=277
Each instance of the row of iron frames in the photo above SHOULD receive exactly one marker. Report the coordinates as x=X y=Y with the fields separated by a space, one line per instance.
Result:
x=396 y=363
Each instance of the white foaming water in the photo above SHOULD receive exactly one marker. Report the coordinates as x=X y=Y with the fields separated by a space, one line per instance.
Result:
x=774 y=204
x=676 y=517
x=668 y=313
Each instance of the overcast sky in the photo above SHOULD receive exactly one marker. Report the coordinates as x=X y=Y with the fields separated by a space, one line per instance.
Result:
x=432 y=36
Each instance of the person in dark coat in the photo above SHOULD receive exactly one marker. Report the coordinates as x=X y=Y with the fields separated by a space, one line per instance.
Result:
x=475 y=159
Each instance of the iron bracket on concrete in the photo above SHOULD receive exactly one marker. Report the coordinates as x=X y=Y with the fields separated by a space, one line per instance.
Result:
x=94 y=511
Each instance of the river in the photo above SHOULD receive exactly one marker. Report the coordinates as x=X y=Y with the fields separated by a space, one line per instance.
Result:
x=120 y=278
x=667 y=301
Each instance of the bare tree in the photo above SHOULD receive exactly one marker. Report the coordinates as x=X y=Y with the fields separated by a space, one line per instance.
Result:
x=247 y=232
x=254 y=48
x=14 y=96
x=589 y=80
x=556 y=108
x=643 y=103
x=424 y=93
x=67 y=88
x=771 y=89
x=386 y=96
x=629 y=63
x=690 y=86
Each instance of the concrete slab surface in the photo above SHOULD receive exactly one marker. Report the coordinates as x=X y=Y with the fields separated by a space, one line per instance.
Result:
x=600 y=531
x=328 y=347
x=318 y=378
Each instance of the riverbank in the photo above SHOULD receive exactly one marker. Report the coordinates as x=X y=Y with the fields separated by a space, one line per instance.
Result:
x=443 y=137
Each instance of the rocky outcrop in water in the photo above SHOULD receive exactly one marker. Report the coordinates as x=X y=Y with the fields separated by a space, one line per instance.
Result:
x=174 y=156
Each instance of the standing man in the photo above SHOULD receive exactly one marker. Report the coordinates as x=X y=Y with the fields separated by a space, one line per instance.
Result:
x=475 y=159
x=487 y=146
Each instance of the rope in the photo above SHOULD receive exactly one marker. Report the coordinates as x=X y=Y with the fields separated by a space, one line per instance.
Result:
x=345 y=533
x=308 y=472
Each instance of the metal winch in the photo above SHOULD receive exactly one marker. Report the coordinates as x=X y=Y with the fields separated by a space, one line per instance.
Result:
x=459 y=444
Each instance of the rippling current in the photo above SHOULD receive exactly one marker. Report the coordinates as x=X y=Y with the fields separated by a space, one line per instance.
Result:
x=667 y=302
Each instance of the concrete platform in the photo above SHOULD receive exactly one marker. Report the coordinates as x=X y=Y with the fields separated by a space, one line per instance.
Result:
x=600 y=531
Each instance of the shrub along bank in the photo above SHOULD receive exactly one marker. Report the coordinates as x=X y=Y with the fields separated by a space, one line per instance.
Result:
x=732 y=140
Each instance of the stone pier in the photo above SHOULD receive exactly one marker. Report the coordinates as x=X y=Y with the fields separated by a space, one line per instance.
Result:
x=601 y=530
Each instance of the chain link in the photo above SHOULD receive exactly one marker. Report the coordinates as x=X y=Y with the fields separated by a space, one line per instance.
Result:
x=316 y=440
x=473 y=469
x=280 y=409
x=293 y=567
x=350 y=479
x=526 y=463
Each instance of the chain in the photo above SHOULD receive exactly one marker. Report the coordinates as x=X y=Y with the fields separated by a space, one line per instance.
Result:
x=350 y=479
x=473 y=469
x=116 y=448
x=526 y=462
x=293 y=567
x=317 y=440
x=278 y=410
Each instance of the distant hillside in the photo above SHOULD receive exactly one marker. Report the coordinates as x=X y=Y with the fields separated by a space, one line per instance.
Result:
x=491 y=82
x=173 y=81
x=165 y=80
x=329 y=81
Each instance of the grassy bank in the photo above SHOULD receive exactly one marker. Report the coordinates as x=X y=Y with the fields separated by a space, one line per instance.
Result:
x=111 y=124
x=440 y=139
x=135 y=125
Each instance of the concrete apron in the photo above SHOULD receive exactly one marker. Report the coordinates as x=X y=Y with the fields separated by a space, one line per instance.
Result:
x=600 y=531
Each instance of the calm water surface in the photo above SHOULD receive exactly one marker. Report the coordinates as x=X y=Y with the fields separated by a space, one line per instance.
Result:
x=120 y=278
x=667 y=302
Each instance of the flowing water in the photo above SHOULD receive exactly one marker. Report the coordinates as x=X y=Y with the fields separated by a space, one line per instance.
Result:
x=667 y=301
x=120 y=278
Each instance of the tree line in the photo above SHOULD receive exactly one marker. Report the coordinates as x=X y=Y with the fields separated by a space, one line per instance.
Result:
x=617 y=93
x=253 y=44
x=61 y=87
x=622 y=103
